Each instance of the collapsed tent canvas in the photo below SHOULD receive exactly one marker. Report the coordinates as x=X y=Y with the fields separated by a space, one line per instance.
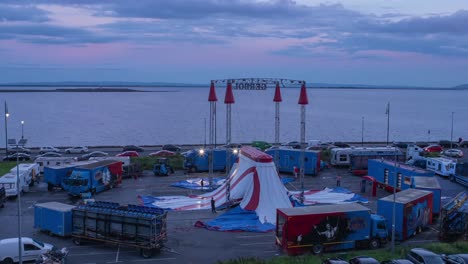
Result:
x=196 y=183
x=254 y=183
x=327 y=196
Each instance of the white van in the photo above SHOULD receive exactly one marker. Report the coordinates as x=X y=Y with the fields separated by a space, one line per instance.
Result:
x=31 y=250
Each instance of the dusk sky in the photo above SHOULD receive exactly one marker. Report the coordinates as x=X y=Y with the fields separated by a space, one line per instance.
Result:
x=383 y=42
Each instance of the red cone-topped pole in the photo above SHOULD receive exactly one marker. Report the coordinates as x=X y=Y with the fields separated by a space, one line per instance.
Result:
x=212 y=96
x=277 y=97
x=303 y=100
x=229 y=97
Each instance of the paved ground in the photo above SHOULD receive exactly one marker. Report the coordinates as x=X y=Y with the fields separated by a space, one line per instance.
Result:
x=187 y=244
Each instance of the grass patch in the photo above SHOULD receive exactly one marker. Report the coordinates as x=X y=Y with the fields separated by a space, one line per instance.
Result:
x=6 y=166
x=379 y=254
x=147 y=163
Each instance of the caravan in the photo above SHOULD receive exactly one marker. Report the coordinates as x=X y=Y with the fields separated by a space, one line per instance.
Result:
x=342 y=156
x=441 y=166
x=9 y=180
x=53 y=161
x=31 y=168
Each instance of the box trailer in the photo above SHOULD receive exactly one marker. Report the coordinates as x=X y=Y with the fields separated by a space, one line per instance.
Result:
x=54 y=218
x=441 y=166
x=53 y=161
x=197 y=160
x=342 y=156
x=328 y=228
x=290 y=158
x=454 y=218
x=131 y=226
x=461 y=174
x=95 y=177
x=54 y=175
x=413 y=212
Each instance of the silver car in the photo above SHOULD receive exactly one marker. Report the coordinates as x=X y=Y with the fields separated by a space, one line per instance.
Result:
x=76 y=150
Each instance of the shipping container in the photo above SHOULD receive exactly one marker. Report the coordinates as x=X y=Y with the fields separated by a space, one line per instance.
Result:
x=413 y=212
x=53 y=217
x=130 y=226
x=328 y=228
x=290 y=158
x=430 y=184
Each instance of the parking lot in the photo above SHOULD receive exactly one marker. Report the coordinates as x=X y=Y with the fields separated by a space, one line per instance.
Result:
x=186 y=243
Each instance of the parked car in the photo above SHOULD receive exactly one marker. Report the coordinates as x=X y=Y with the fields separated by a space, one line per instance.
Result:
x=17 y=149
x=232 y=146
x=172 y=148
x=94 y=154
x=76 y=150
x=341 y=145
x=293 y=144
x=50 y=155
x=456 y=259
x=399 y=144
x=456 y=153
x=129 y=153
x=396 y=261
x=363 y=260
x=334 y=261
x=421 y=144
x=33 y=249
x=433 y=148
x=133 y=148
x=424 y=256
x=43 y=150
x=463 y=144
x=261 y=144
x=20 y=156
x=447 y=144
x=162 y=153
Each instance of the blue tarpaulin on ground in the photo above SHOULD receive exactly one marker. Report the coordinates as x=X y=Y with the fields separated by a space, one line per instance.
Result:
x=236 y=220
x=195 y=183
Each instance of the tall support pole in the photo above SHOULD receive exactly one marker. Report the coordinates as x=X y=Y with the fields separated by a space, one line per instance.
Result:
x=388 y=121
x=303 y=101
x=212 y=133
x=277 y=99
x=394 y=201
x=6 y=129
x=362 y=132
x=228 y=100
x=451 y=133
x=20 y=243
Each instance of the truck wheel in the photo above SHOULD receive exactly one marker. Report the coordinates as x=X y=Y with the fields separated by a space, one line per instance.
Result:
x=77 y=241
x=7 y=261
x=317 y=249
x=146 y=252
x=374 y=244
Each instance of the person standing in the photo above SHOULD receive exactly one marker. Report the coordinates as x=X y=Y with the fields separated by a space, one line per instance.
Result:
x=202 y=183
x=213 y=206
x=296 y=171
x=338 y=181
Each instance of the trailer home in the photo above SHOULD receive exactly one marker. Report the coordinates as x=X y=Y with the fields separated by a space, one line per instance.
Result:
x=53 y=161
x=342 y=156
x=441 y=166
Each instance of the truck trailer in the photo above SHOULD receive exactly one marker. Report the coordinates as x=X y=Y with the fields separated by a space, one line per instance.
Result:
x=54 y=175
x=454 y=218
x=328 y=228
x=413 y=212
x=54 y=218
x=197 y=160
x=135 y=226
x=290 y=158
x=96 y=177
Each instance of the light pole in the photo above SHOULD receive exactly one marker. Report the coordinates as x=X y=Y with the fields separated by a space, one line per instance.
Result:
x=6 y=129
x=451 y=132
x=18 y=191
x=22 y=129
x=362 y=132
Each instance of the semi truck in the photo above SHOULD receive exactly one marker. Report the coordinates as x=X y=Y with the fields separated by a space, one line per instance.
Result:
x=54 y=175
x=413 y=212
x=135 y=226
x=95 y=177
x=454 y=218
x=290 y=158
x=384 y=171
x=328 y=228
x=198 y=160
x=461 y=174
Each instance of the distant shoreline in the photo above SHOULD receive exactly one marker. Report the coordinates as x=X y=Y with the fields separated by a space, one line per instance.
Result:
x=77 y=90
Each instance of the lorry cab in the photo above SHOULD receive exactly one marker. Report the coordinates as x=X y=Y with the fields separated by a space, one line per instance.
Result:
x=378 y=230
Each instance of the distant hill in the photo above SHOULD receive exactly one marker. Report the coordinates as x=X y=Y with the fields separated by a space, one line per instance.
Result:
x=461 y=87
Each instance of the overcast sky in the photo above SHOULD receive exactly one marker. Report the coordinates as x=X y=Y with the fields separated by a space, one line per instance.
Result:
x=394 y=42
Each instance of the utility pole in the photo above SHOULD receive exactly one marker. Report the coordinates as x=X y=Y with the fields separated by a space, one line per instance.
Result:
x=388 y=121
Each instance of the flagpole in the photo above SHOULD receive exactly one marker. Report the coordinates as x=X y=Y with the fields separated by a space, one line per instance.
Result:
x=388 y=120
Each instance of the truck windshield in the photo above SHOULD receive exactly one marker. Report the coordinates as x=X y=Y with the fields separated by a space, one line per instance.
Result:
x=76 y=182
x=381 y=225
x=39 y=242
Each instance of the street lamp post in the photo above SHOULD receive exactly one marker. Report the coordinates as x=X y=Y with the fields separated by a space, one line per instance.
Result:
x=18 y=191
x=22 y=129
x=451 y=132
x=362 y=132
x=6 y=129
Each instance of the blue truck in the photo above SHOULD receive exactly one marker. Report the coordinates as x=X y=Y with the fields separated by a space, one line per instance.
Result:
x=461 y=174
x=55 y=174
x=413 y=212
x=408 y=177
x=197 y=160
x=290 y=158
x=95 y=177
x=329 y=228
x=54 y=218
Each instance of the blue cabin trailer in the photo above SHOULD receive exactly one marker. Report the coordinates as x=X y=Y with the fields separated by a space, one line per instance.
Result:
x=55 y=174
x=383 y=171
x=413 y=212
x=54 y=218
x=95 y=177
x=290 y=158
x=359 y=162
x=461 y=174
x=330 y=227
x=197 y=160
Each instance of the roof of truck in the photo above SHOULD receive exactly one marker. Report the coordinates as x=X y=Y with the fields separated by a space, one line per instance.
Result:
x=323 y=209
x=97 y=164
x=406 y=196
x=426 y=182
x=61 y=207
